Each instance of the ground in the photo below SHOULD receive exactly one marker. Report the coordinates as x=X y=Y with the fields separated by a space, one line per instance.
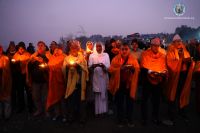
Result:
x=24 y=122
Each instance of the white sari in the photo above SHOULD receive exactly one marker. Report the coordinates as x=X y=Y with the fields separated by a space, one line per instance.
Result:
x=100 y=81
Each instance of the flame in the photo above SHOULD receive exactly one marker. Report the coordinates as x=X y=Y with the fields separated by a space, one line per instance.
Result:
x=89 y=51
x=13 y=60
x=71 y=62
x=43 y=65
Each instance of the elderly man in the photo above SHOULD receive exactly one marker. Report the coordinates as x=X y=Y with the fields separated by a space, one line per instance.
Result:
x=153 y=71
x=124 y=70
x=76 y=73
x=180 y=66
x=5 y=85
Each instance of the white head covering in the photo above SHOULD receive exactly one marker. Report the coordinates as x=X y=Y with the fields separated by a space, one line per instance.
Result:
x=177 y=38
x=95 y=51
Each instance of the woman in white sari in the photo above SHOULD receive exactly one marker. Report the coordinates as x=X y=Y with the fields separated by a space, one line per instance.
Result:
x=99 y=62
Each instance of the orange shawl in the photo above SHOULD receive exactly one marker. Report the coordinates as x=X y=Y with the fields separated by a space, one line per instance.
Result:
x=56 y=80
x=73 y=77
x=23 y=60
x=115 y=74
x=175 y=66
x=5 y=88
x=153 y=62
x=32 y=58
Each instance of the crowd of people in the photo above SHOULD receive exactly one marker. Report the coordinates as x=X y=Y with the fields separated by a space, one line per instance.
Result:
x=59 y=83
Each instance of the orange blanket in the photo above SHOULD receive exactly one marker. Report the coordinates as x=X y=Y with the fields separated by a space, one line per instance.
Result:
x=73 y=76
x=23 y=60
x=175 y=65
x=115 y=74
x=5 y=88
x=56 y=80
x=154 y=62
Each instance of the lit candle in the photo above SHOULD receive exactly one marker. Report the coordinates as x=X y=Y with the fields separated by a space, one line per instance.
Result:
x=43 y=65
x=128 y=65
x=71 y=62
x=13 y=60
x=89 y=51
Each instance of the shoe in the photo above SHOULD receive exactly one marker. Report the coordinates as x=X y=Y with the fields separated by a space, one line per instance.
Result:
x=120 y=124
x=37 y=113
x=82 y=123
x=130 y=124
x=168 y=122
x=110 y=112
x=156 y=121
x=68 y=121
x=144 y=123
x=1 y=111
x=7 y=110
x=55 y=118
x=185 y=117
x=64 y=120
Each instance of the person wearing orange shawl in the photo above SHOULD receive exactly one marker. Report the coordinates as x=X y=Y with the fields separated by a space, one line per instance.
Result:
x=112 y=48
x=124 y=70
x=180 y=66
x=89 y=91
x=11 y=50
x=56 y=89
x=5 y=85
x=20 y=60
x=75 y=73
x=197 y=78
x=37 y=77
x=136 y=51
x=89 y=49
x=153 y=72
x=53 y=46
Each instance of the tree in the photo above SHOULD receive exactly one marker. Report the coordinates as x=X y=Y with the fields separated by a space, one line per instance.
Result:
x=186 y=32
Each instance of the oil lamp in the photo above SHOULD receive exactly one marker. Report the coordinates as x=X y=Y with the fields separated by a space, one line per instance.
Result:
x=43 y=65
x=13 y=60
x=89 y=51
x=71 y=62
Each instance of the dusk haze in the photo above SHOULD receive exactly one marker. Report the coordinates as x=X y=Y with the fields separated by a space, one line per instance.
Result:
x=47 y=20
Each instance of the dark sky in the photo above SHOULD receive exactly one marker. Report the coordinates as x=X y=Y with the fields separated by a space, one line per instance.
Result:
x=34 y=20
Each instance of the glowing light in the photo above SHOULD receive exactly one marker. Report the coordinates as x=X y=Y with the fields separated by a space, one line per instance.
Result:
x=89 y=51
x=43 y=65
x=13 y=60
x=71 y=62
